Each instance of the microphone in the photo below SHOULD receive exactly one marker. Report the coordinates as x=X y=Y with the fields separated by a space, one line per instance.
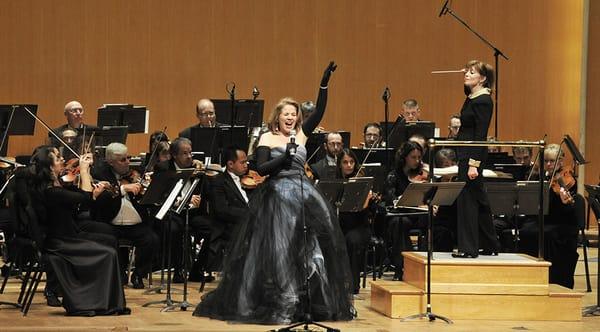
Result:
x=386 y=94
x=255 y=93
x=444 y=9
x=293 y=141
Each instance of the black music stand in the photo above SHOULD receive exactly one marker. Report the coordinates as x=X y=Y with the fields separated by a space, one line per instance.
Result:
x=14 y=120
x=135 y=118
x=377 y=155
x=206 y=140
x=594 y=204
x=429 y=193
x=183 y=205
x=346 y=195
x=514 y=199
x=400 y=131
x=248 y=112
x=163 y=191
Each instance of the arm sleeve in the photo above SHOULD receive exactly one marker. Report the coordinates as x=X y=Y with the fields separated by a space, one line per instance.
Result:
x=264 y=166
x=222 y=207
x=315 y=118
x=483 y=115
x=64 y=195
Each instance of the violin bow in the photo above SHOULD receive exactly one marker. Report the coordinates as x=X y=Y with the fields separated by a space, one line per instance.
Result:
x=51 y=132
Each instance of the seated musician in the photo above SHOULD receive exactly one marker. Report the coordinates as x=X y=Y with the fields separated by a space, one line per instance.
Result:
x=74 y=115
x=561 y=225
x=411 y=111
x=229 y=200
x=325 y=168
x=454 y=126
x=181 y=158
x=83 y=265
x=355 y=225
x=420 y=139
x=207 y=118
x=372 y=137
x=120 y=209
x=522 y=155
x=408 y=167
x=158 y=150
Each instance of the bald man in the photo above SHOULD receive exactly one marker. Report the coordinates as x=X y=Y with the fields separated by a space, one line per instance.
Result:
x=207 y=118
x=74 y=115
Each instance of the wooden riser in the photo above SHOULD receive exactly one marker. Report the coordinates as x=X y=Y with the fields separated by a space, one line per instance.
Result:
x=399 y=300
x=505 y=274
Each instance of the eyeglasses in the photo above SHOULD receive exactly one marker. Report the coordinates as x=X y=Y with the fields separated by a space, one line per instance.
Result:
x=75 y=110
x=206 y=115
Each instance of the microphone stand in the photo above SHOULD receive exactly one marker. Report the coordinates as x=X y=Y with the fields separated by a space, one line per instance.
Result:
x=497 y=53
x=386 y=98
x=233 y=117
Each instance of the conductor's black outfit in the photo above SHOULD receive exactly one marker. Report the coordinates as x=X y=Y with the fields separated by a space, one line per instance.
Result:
x=475 y=228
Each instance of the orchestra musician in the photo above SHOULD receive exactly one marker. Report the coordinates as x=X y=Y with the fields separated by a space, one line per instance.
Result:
x=84 y=265
x=561 y=225
x=122 y=211
x=181 y=158
x=265 y=273
x=206 y=115
x=408 y=167
x=475 y=228
x=372 y=136
x=411 y=111
x=74 y=114
x=355 y=225
x=453 y=126
x=326 y=167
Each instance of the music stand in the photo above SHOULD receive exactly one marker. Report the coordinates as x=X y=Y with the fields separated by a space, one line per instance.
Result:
x=429 y=193
x=346 y=195
x=594 y=204
x=135 y=118
x=163 y=190
x=400 y=131
x=14 y=120
x=206 y=140
x=249 y=113
x=230 y=135
x=377 y=155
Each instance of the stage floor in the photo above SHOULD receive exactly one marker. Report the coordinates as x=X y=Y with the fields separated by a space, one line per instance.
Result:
x=44 y=318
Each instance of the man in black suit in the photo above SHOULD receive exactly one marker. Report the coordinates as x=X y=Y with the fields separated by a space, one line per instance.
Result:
x=121 y=210
x=207 y=118
x=181 y=158
x=326 y=167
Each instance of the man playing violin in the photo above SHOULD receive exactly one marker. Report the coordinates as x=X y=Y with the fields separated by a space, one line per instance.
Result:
x=206 y=115
x=74 y=114
x=561 y=225
x=121 y=210
x=181 y=158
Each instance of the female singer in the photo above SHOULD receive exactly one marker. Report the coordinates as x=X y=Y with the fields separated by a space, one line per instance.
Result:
x=408 y=168
x=474 y=214
x=264 y=277
x=355 y=225
x=85 y=265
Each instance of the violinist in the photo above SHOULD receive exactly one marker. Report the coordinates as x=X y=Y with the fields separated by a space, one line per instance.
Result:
x=206 y=115
x=355 y=225
x=128 y=219
x=371 y=135
x=453 y=126
x=74 y=114
x=230 y=198
x=561 y=225
x=181 y=158
x=408 y=167
x=158 y=150
x=325 y=168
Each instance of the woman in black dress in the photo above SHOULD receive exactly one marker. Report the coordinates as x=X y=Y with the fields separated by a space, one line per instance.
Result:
x=85 y=265
x=475 y=228
x=265 y=272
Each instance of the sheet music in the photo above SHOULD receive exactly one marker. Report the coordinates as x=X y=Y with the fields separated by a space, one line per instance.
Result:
x=170 y=200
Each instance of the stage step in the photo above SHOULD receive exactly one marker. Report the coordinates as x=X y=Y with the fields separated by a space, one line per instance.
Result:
x=504 y=287
x=503 y=274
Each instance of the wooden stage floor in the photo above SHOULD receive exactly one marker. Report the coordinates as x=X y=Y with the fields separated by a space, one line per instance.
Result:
x=44 y=318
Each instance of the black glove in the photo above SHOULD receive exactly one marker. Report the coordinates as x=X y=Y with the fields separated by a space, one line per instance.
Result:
x=291 y=148
x=327 y=74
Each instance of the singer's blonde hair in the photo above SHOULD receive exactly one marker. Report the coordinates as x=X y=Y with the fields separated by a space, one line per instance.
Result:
x=273 y=121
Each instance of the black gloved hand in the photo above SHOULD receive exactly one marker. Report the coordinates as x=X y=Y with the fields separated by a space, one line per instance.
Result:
x=327 y=74
x=291 y=149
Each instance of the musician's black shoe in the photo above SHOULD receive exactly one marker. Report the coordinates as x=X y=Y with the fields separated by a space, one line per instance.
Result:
x=461 y=254
x=488 y=252
x=137 y=282
x=178 y=277
x=52 y=299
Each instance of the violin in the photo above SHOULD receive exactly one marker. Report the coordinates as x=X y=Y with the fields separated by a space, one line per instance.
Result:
x=252 y=180
x=70 y=174
x=563 y=181
x=309 y=172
